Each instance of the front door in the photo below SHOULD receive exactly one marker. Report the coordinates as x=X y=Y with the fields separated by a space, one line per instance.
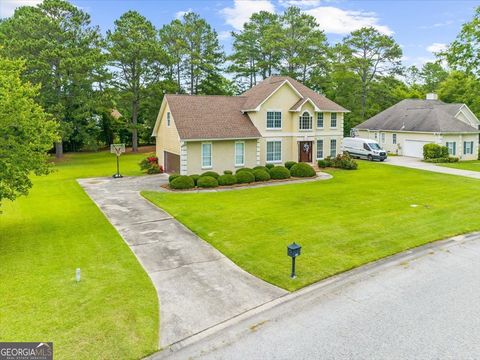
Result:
x=305 y=151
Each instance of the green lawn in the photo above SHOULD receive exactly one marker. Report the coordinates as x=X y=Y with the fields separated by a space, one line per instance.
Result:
x=357 y=217
x=113 y=312
x=473 y=165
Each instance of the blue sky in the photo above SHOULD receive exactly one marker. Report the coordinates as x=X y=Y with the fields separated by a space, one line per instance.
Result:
x=420 y=27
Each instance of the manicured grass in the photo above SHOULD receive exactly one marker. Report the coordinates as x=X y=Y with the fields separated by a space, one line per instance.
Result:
x=473 y=165
x=354 y=218
x=113 y=312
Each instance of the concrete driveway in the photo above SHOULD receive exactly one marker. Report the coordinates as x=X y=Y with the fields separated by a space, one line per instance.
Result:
x=415 y=163
x=198 y=287
x=422 y=304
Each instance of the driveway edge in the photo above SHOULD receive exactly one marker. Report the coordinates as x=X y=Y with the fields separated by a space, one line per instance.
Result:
x=325 y=285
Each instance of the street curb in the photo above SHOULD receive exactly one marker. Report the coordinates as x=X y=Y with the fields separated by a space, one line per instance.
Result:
x=335 y=281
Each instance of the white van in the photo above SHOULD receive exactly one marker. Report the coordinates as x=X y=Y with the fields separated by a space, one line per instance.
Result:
x=363 y=148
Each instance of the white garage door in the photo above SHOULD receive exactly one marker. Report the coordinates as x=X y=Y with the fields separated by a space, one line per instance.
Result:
x=414 y=148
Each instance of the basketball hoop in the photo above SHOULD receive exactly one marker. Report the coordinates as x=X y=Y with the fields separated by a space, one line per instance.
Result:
x=117 y=149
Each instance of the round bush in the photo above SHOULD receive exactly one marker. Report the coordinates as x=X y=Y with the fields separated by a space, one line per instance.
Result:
x=261 y=175
x=302 y=170
x=207 y=182
x=244 y=177
x=322 y=164
x=279 y=172
x=173 y=176
x=182 y=182
x=195 y=178
x=289 y=164
x=210 y=173
x=260 y=168
x=271 y=166
x=244 y=169
x=227 y=179
x=228 y=172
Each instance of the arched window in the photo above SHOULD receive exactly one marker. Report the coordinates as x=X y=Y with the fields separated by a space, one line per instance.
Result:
x=305 y=121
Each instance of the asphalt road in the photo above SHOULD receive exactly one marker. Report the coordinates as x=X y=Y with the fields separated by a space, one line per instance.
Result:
x=422 y=306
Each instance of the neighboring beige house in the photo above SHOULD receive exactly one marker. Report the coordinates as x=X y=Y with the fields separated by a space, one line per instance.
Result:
x=275 y=121
x=406 y=127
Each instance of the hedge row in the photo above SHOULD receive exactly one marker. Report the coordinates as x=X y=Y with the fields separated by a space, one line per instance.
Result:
x=341 y=161
x=211 y=179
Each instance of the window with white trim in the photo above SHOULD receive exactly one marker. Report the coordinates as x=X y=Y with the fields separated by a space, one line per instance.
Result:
x=468 y=147
x=274 y=151
x=333 y=148
x=206 y=155
x=239 y=153
x=305 y=121
x=383 y=138
x=319 y=149
x=319 y=120
x=333 y=120
x=168 y=119
x=394 y=139
x=451 y=146
x=274 y=119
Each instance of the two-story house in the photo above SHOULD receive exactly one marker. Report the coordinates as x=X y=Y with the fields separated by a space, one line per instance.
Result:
x=276 y=121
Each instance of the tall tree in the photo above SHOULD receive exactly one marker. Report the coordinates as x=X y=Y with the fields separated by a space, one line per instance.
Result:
x=27 y=132
x=63 y=55
x=134 y=51
x=303 y=45
x=172 y=42
x=371 y=55
x=432 y=75
x=203 y=53
x=461 y=87
x=464 y=52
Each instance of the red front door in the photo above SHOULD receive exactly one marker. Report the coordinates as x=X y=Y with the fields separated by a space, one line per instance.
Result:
x=305 y=151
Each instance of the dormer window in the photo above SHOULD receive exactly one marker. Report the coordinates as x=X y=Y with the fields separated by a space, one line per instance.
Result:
x=305 y=121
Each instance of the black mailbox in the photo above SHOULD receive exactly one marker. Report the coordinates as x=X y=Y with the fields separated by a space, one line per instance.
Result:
x=293 y=250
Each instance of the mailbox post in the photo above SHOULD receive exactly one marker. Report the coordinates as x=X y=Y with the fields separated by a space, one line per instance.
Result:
x=293 y=250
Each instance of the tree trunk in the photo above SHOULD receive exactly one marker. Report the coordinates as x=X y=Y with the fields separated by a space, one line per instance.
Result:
x=178 y=77
x=59 y=149
x=134 y=123
x=192 y=79
x=364 y=100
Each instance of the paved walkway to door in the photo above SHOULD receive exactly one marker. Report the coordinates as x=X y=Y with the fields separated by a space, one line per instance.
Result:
x=415 y=163
x=198 y=287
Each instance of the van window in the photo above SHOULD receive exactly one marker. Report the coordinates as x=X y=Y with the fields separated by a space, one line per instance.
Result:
x=365 y=146
x=374 y=146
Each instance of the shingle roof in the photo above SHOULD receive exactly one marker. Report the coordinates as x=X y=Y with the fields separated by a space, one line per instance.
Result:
x=211 y=117
x=419 y=115
x=257 y=94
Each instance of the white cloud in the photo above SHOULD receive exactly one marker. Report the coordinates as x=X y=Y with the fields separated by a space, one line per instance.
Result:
x=437 y=47
x=338 y=21
x=241 y=11
x=7 y=7
x=180 y=14
x=437 y=25
x=223 y=35
x=300 y=3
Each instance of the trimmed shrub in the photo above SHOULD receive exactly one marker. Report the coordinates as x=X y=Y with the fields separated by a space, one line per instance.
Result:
x=172 y=177
x=182 y=182
x=271 y=166
x=260 y=168
x=261 y=175
x=227 y=179
x=302 y=170
x=195 y=178
x=449 y=159
x=150 y=165
x=322 y=164
x=343 y=161
x=210 y=173
x=434 y=151
x=228 y=172
x=289 y=164
x=244 y=177
x=207 y=182
x=279 y=172
x=244 y=169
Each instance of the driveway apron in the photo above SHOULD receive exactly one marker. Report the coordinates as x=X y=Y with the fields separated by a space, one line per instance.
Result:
x=198 y=287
